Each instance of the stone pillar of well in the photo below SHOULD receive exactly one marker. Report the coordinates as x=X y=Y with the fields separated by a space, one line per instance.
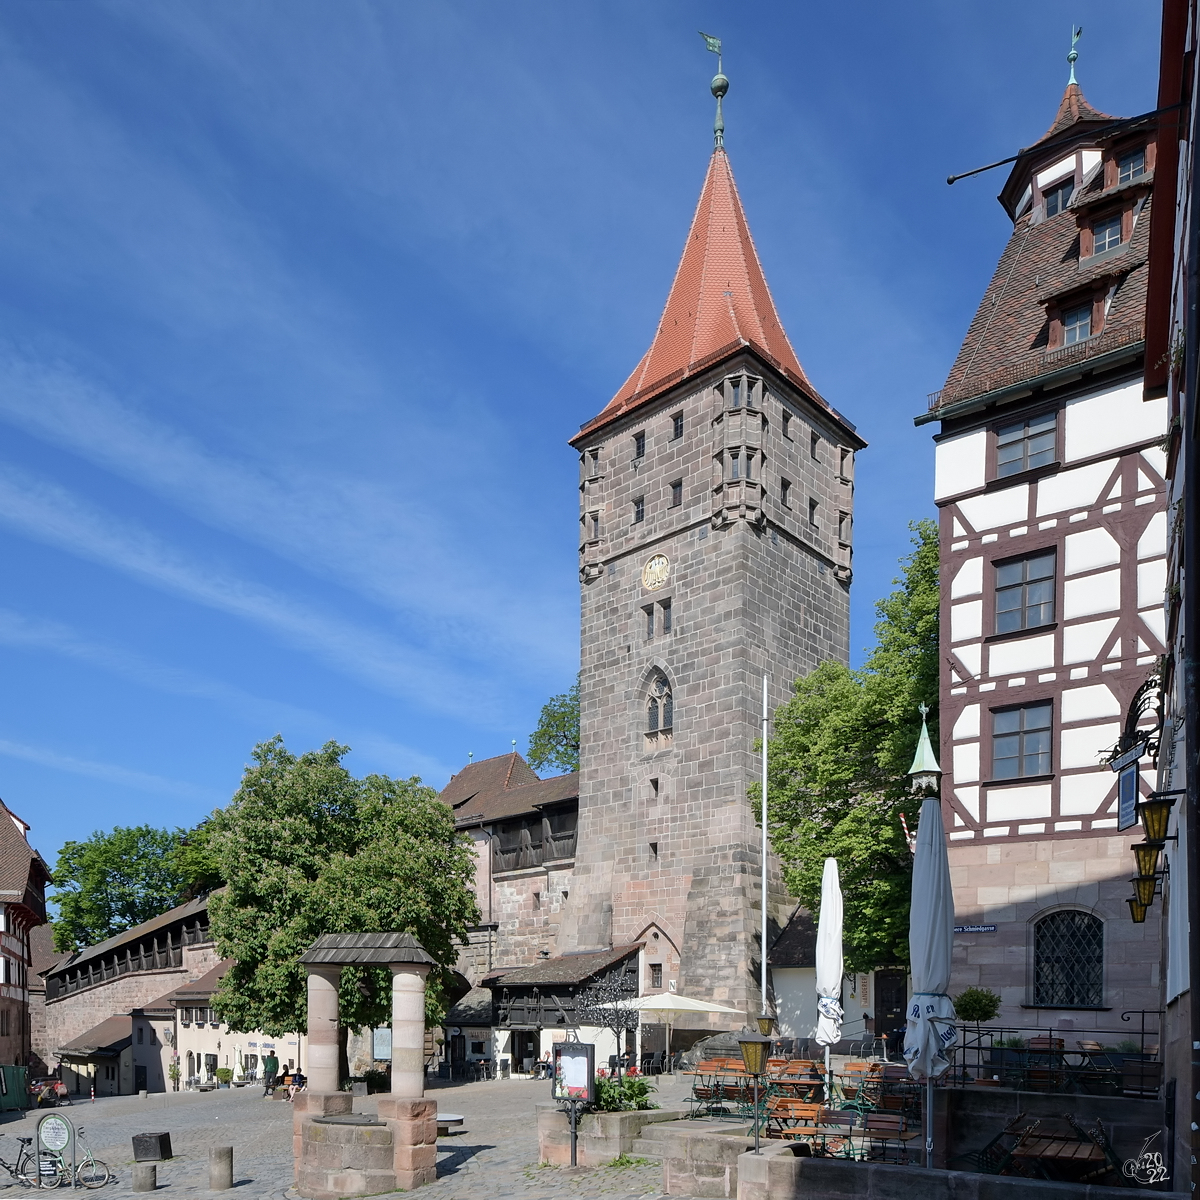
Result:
x=408 y=1030
x=336 y=1152
x=323 y=983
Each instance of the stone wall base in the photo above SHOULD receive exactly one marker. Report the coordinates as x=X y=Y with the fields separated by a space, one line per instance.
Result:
x=334 y=1160
x=600 y=1137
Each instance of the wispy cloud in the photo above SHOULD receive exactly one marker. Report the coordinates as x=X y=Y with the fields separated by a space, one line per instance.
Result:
x=29 y=633
x=109 y=772
x=48 y=513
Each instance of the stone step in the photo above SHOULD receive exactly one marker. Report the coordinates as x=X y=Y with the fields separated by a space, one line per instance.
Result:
x=645 y=1148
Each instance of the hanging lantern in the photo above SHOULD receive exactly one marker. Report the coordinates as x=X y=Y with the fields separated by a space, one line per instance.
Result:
x=766 y=1023
x=1137 y=911
x=1143 y=886
x=1156 y=813
x=1147 y=854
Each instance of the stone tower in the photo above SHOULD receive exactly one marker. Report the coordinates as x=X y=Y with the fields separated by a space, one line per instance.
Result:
x=715 y=527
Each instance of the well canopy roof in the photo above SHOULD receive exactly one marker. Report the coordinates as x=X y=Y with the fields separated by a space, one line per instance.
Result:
x=347 y=949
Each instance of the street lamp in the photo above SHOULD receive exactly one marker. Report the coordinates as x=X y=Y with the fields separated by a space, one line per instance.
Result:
x=1136 y=911
x=755 y=1047
x=766 y=1024
x=1156 y=813
x=1143 y=887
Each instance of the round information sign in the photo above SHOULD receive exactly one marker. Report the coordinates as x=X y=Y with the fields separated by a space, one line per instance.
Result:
x=54 y=1133
x=656 y=572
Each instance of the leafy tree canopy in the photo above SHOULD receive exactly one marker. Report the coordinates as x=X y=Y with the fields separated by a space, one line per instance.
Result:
x=114 y=881
x=837 y=766
x=554 y=744
x=306 y=850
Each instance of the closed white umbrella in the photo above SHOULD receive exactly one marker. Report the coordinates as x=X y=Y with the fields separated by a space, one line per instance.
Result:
x=830 y=965
x=930 y=1030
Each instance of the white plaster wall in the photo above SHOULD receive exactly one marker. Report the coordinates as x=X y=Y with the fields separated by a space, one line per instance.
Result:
x=967 y=725
x=1024 y=654
x=1089 y=550
x=795 y=1000
x=1111 y=420
x=968 y=581
x=966 y=762
x=966 y=620
x=958 y=463
x=1018 y=803
x=1089 y=703
x=1154 y=538
x=1082 y=643
x=1077 y=488
x=1083 y=747
x=1005 y=507
x=1092 y=594
x=1082 y=795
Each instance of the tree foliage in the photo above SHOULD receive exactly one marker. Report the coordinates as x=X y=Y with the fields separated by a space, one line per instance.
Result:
x=113 y=881
x=307 y=849
x=554 y=744
x=837 y=766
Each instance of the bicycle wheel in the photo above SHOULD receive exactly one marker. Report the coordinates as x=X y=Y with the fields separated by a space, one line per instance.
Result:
x=93 y=1173
x=52 y=1172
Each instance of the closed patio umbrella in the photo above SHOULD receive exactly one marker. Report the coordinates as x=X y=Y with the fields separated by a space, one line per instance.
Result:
x=829 y=962
x=930 y=1030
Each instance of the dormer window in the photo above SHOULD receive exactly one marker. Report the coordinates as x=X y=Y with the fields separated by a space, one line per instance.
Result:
x=1077 y=324
x=1057 y=198
x=1131 y=166
x=1106 y=234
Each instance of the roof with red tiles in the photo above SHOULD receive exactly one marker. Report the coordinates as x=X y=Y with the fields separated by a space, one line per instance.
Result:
x=21 y=866
x=1072 y=109
x=1007 y=343
x=502 y=787
x=718 y=303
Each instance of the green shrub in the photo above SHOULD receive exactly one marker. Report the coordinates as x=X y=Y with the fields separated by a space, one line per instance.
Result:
x=1013 y=1043
x=977 y=1005
x=224 y=1074
x=1129 y=1046
x=630 y=1093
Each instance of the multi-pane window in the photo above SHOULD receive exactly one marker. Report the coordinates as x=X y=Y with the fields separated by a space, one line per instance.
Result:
x=656 y=975
x=735 y=393
x=1131 y=166
x=1024 y=445
x=1021 y=741
x=677 y=425
x=639 y=445
x=1057 y=199
x=639 y=509
x=1025 y=593
x=1106 y=234
x=660 y=708
x=785 y=492
x=1077 y=324
x=677 y=493
x=1068 y=960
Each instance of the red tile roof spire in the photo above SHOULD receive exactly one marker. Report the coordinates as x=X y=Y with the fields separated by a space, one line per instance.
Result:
x=718 y=301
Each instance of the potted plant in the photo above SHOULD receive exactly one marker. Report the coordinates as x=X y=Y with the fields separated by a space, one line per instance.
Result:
x=978 y=1005
x=224 y=1076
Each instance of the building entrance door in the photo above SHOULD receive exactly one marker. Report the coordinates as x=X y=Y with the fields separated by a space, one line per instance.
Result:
x=524 y=1050
x=891 y=999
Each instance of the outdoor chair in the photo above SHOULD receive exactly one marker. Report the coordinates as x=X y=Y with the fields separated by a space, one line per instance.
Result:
x=1141 y=1078
x=786 y=1117
x=888 y=1134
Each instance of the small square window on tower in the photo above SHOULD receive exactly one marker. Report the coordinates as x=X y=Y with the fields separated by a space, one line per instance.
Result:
x=677 y=425
x=735 y=393
x=1131 y=166
x=814 y=445
x=812 y=511
x=785 y=492
x=665 y=605
x=639 y=445
x=593 y=463
x=677 y=493
x=786 y=423
x=649 y=611
x=1077 y=324
x=655 y=968
x=735 y=465
x=1106 y=234
x=639 y=509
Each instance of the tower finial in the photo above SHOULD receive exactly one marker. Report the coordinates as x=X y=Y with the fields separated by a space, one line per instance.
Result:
x=720 y=85
x=1076 y=34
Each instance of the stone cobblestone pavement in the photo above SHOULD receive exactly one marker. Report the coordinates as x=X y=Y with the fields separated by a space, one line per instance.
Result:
x=494 y=1153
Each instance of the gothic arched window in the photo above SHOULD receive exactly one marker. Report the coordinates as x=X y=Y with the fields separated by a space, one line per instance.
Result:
x=660 y=707
x=1068 y=960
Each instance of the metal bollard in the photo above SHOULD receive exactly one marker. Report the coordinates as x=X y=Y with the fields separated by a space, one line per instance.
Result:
x=145 y=1177
x=220 y=1168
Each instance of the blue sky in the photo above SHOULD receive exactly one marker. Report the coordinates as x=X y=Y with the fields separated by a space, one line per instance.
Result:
x=301 y=299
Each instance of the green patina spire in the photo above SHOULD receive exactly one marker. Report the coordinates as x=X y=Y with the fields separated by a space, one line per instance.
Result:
x=924 y=761
x=1076 y=34
x=720 y=85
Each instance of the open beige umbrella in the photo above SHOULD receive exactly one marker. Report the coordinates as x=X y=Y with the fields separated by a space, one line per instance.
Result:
x=670 y=1005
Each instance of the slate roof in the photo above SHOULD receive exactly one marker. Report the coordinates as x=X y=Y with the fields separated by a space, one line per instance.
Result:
x=351 y=948
x=719 y=303
x=475 y=1008
x=796 y=946
x=183 y=912
x=566 y=968
x=1006 y=344
x=503 y=787
x=105 y=1040
x=21 y=866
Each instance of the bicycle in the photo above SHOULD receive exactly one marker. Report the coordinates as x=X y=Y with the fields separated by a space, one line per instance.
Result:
x=29 y=1171
x=90 y=1171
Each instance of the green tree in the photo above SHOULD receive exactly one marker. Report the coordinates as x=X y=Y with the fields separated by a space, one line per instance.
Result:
x=555 y=741
x=114 y=881
x=307 y=849
x=837 y=766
